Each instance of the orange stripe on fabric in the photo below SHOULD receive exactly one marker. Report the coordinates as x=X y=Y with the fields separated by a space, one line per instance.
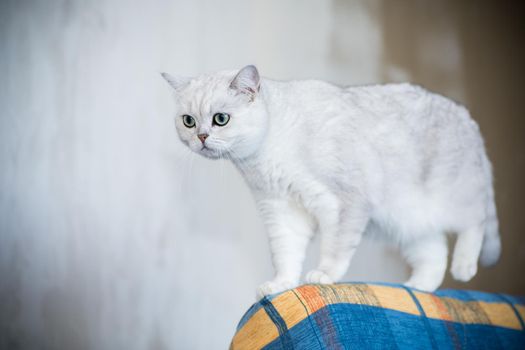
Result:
x=296 y=305
x=362 y=294
x=468 y=312
x=310 y=297
x=433 y=306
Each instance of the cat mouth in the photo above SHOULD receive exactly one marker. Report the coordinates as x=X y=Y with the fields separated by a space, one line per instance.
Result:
x=209 y=152
x=207 y=149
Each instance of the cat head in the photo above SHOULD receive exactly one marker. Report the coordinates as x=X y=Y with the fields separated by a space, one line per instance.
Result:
x=220 y=115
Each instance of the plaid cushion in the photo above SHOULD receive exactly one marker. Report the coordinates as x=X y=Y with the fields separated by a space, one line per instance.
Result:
x=358 y=315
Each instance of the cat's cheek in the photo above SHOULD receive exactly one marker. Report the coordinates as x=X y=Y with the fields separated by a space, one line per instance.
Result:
x=188 y=138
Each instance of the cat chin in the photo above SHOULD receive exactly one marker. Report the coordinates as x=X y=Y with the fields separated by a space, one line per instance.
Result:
x=209 y=153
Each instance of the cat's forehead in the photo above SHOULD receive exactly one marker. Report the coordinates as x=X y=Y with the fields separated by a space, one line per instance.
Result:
x=206 y=92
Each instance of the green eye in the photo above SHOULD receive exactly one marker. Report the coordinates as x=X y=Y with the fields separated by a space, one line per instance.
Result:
x=221 y=119
x=188 y=121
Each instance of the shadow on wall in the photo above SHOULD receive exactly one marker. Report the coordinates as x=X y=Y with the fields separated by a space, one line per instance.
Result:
x=472 y=51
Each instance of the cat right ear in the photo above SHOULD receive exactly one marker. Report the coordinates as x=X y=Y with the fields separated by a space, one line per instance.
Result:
x=175 y=82
x=247 y=82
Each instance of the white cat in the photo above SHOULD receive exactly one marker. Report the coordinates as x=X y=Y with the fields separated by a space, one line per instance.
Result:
x=391 y=159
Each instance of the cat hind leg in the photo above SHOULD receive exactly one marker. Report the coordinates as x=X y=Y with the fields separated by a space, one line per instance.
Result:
x=466 y=254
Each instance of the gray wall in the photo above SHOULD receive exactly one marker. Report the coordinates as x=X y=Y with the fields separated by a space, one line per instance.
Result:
x=114 y=236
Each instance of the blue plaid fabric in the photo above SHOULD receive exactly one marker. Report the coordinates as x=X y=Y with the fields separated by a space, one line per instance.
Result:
x=382 y=316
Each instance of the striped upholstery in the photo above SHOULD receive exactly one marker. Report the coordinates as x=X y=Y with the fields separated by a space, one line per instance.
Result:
x=358 y=315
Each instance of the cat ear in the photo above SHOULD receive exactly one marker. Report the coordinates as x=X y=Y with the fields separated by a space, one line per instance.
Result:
x=175 y=82
x=247 y=81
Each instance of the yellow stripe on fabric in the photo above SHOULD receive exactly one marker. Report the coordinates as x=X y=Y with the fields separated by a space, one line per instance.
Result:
x=395 y=298
x=433 y=306
x=468 y=312
x=521 y=311
x=501 y=315
x=258 y=332
x=465 y=312
x=353 y=294
x=296 y=305
x=290 y=308
x=316 y=297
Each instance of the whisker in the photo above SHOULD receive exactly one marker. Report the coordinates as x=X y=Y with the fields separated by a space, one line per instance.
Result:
x=186 y=159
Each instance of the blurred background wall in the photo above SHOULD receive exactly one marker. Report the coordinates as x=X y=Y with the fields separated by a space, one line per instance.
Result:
x=114 y=236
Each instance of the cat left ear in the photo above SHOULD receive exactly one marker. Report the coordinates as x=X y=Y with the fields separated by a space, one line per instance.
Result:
x=175 y=82
x=247 y=82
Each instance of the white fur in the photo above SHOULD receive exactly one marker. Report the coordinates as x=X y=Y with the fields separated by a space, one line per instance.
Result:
x=393 y=159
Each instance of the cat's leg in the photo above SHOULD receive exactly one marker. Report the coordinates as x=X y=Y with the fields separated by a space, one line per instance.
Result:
x=341 y=230
x=428 y=258
x=289 y=232
x=466 y=254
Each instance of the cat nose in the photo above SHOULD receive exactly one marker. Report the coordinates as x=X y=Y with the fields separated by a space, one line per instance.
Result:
x=202 y=137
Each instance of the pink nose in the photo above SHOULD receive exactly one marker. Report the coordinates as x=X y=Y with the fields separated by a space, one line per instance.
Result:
x=202 y=137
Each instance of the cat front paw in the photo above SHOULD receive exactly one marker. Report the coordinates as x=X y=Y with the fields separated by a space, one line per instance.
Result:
x=273 y=287
x=318 y=277
x=424 y=284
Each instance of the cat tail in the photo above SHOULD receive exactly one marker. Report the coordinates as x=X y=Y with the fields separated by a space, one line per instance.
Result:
x=491 y=249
